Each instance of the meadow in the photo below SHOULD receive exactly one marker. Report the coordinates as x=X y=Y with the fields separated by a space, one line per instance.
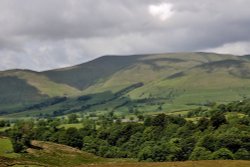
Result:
x=6 y=149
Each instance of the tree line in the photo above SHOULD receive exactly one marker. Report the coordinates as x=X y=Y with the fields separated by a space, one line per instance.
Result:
x=155 y=138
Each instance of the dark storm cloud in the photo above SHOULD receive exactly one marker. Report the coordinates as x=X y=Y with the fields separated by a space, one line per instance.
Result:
x=44 y=34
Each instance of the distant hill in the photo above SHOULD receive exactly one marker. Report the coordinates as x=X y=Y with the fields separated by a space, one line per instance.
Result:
x=173 y=81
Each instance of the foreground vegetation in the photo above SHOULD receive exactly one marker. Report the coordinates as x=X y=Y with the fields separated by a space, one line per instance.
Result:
x=221 y=132
x=47 y=154
x=50 y=154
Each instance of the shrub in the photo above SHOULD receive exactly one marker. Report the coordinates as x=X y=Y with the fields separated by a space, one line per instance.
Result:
x=200 y=153
x=242 y=154
x=223 y=153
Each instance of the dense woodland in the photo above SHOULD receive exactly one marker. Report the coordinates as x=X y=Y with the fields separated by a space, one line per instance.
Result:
x=160 y=137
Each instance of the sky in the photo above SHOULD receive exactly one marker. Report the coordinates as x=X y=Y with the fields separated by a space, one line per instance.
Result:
x=48 y=34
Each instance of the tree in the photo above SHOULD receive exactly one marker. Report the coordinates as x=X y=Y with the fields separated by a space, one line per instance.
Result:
x=187 y=145
x=200 y=153
x=203 y=124
x=223 y=153
x=145 y=154
x=20 y=141
x=72 y=119
x=244 y=121
x=21 y=135
x=209 y=142
x=2 y=123
x=218 y=119
x=229 y=141
x=148 y=121
x=159 y=108
x=93 y=145
x=175 y=150
x=159 y=153
x=133 y=145
x=242 y=154
x=140 y=117
x=71 y=137
x=159 y=120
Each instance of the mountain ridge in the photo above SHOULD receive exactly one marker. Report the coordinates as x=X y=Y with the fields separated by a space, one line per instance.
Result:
x=179 y=78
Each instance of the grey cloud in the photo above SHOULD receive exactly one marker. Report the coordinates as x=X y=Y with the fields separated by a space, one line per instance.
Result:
x=45 y=34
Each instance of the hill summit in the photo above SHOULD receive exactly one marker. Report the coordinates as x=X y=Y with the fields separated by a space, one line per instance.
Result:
x=172 y=81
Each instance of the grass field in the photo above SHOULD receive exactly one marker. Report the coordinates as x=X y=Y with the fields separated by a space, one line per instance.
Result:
x=43 y=84
x=59 y=155
x=66 y=126
x=27 y=166
x=46 y=154
x=6 y=149
x=178 y=164
x=4 y=128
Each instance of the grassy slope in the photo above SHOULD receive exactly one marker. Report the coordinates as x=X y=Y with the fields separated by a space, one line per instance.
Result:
x=196 y=83
x=20 y=88
x=153 y=71
x=6 y=149
x=59 y=155
x=146 y=69
x=42 y=83
x=15 y=91
x=179 y=79
x=87 y=74
x=48 y=154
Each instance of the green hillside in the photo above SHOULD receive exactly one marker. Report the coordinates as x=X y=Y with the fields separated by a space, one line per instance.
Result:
x=43 y=84
x=84 y=75
x=171 y=82
x=46 y=154
x=15 y=92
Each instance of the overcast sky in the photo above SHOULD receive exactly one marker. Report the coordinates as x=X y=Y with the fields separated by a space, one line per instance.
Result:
x=46 y=34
